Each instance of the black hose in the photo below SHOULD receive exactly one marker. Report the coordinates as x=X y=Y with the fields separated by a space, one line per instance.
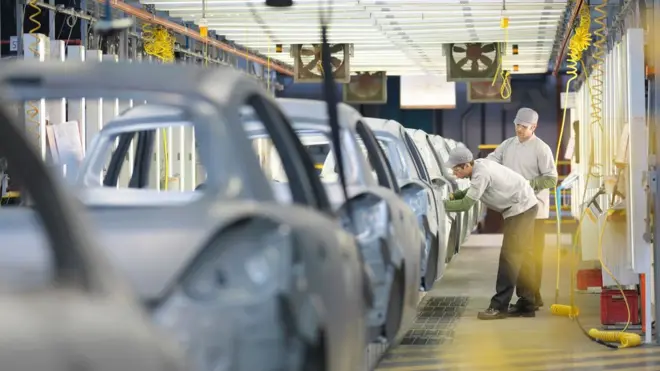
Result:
x=331 y=105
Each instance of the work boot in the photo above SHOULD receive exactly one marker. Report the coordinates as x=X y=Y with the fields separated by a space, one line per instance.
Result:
x=491 y=313
x=522 y=311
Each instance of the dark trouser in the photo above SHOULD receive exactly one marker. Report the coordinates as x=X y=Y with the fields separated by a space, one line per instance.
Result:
x=516 y=261
x=537 y=277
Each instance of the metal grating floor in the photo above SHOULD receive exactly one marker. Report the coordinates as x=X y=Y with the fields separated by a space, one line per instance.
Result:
x=447 y=336
x=436 y=320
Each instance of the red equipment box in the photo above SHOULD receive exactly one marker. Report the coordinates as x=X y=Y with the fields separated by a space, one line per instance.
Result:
x=613 y=308
x=589 y=278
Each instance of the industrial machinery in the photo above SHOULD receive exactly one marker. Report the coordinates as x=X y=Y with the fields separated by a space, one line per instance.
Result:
x=417 y=189
x=58 y=284
x=609 y=150
x=383 y=224
x=226 y=269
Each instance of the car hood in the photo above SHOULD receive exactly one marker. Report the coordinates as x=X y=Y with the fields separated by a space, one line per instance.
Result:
x=150 y=246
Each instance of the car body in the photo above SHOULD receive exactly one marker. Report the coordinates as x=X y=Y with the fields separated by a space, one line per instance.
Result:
x=226 y=269
x=474 y=215
x=381 y=221
x=442 y=147
x=75 y=310
x=441 y=185
x=417 y=190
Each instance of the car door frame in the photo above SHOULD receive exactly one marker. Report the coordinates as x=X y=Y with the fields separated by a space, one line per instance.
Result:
x=424 y=177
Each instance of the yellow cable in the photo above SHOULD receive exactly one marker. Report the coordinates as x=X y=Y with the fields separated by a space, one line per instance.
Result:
x=166 y=160
x=158 y=42
x=627 y=340
x=578 y=43
x=33 y=112
x=505 y=88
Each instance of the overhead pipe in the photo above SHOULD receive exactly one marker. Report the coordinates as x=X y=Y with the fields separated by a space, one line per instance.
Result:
x=567 y=36
x=185 y=31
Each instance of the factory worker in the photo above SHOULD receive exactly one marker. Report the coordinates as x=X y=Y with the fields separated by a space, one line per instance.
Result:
x=529 y=156
x=505 y=191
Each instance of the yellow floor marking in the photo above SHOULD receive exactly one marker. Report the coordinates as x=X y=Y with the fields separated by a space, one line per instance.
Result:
x=506 y=362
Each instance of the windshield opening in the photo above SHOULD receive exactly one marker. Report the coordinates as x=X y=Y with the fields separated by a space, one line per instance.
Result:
x=318 y=145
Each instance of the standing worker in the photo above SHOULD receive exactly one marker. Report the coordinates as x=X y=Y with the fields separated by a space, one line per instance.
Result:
x=505 y=191
x=529 y=156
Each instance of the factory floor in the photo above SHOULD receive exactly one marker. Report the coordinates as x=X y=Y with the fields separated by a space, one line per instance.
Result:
x=448 y=336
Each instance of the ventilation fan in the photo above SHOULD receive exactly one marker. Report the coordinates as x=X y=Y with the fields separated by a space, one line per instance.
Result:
x=486 y=92
x=472 y=61
x=367 y=88
x=307 y=62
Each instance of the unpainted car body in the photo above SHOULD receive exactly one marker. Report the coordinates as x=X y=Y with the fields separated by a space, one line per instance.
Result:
x=441 y=185
x=76 y=311
x=419 y=192
x=382 y=223
x=226 y=269
x=442 y=147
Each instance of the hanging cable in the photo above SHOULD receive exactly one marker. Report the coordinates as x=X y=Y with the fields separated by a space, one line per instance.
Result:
x=158 y=42
x=578 y=43
x=505 y=88
x=33 y=111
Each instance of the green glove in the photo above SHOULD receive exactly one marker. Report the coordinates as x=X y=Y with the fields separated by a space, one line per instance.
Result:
x=458 y=195
x=543 y=182
x=532 y=183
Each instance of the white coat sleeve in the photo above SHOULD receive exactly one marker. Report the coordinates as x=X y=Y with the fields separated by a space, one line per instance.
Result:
x=498 y=154
x=546 y=162
x=478 y=185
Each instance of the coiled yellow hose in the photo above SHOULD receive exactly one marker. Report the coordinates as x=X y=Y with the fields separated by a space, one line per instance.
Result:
x=578 y=43
x=597 y=74
x=158 y=42
x=626 y=340
x=505 y=88
x=32 y=113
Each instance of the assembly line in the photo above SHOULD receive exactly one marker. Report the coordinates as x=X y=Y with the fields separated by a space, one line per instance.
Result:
x=163 y=214
x=236 y=245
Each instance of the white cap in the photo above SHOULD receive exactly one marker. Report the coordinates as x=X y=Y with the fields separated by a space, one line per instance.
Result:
x=459 y=156
x=526 y=117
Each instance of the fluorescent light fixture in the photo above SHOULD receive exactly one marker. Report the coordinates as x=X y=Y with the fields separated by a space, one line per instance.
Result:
x=399 y=36
x=427 y=92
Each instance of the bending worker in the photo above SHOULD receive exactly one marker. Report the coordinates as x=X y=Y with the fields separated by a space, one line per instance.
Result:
x=529 y=156
x=505 y=191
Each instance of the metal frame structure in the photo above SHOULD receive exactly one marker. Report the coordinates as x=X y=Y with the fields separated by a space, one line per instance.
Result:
x=653 y=58
x=92 y=115
x=622 y=128
x=212 y=49
x=401 y=37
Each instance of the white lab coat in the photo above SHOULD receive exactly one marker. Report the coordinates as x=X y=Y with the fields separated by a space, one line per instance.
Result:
x=531 y=159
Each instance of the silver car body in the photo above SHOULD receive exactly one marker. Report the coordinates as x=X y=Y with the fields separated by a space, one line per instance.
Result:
x=442 y=147
x=76 y=311
x=422 y=197
x=441 y=184
x=225 y=270
x=383 y=224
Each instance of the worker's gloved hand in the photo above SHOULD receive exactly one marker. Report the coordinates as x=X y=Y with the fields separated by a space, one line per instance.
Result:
x=532 y=183
x=458 y=195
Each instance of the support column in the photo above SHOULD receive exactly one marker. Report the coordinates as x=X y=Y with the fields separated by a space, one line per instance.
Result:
x=654 y=109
